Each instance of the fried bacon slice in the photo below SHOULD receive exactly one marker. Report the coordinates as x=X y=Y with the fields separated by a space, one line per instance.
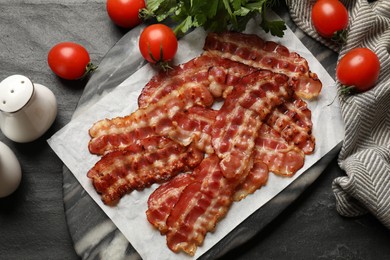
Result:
x=254 y=51
x=197 y=122
x=272 y=153
x=201 y=205
x=233 y=140
x=120 y=172
x=239 y=120
x=156 y=119
x=281 y=157
x=215 y=73
x=256 y=178
x=292 y=120
x=164 y=198
x=190 y=205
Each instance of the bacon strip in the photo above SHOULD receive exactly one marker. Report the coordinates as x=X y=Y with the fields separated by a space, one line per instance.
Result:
x=215 y=73
x=257 y=177
x=198 y=121
x=271 y=153
x=190 y=205
x=233 y=140
x=281 y=157
x=239 y=120
x=200 y=206
x=253 y=51
x=293 y=121
x=156 y=119
x=120 y=172
x=164 y=198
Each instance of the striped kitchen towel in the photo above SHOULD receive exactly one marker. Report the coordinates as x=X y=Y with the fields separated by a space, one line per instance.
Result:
x=365 y=153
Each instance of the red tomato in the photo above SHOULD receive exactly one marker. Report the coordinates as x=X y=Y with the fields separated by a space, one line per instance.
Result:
x=329 y=17
x=69 y=60
x=158 y=43
x=125 y=12
x=358 y=68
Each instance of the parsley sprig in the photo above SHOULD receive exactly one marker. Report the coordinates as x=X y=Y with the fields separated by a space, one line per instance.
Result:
x=212 y=15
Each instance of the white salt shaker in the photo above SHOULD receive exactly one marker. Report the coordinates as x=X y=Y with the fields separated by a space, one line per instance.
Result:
x=10 y=171
x=27 y=109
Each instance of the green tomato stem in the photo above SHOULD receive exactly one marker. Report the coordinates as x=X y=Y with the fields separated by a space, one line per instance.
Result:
x=340 y=37
x=164 y=65
x=89 y=69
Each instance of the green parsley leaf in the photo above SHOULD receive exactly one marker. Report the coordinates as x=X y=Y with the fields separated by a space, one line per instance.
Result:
x=214 y=15
x=276 y=28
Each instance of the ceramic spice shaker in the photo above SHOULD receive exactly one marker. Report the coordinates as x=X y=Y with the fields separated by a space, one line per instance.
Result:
x=27 y=109
x=10 y=171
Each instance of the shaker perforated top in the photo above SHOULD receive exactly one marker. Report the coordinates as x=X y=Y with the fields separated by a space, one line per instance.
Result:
x=15 y=92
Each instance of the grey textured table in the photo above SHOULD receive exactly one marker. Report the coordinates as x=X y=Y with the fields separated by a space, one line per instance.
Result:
x=32 y=220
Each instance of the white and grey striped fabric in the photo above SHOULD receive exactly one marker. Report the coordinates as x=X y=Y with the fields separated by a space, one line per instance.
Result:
x=365 y=153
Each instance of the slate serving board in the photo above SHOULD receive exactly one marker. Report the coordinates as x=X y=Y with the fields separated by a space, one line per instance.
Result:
x=93 y=233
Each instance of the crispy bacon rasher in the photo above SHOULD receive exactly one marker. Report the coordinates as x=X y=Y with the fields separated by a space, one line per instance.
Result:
x=120 y=172
x=281 y=157
x=164 y=198
x=263 y=126
x=240 y=118
x=271 y=153
x=255 y=52
x=256 y=178
x=156 y=119
x=292 y=120
x=215 y=73
x=195 y=204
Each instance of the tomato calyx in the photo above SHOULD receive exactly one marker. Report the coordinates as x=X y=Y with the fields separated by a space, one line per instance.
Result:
x=163 y=64
x=343 y=92
x=340 y=37
x=145 y=14
x=347 y=90
x=89 y=69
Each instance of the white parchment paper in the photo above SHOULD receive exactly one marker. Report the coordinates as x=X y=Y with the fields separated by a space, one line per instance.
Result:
x=71 y=145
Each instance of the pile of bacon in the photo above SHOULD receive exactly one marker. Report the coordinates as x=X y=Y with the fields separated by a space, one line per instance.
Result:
x=207 y=158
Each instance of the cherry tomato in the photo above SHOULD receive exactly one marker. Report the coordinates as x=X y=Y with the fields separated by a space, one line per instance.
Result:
x=124 y=13
x=329 y=17
x=358 y=68
x=158 y=43
x=69 y=60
